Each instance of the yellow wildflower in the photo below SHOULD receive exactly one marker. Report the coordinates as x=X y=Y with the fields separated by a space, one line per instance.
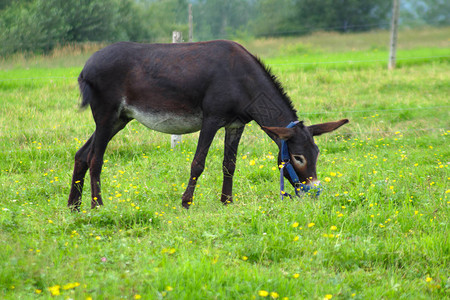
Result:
x=274 y=295
x=54 y=290
x=70 y=286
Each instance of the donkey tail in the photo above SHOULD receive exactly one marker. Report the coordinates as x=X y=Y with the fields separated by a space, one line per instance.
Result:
x=86 y=91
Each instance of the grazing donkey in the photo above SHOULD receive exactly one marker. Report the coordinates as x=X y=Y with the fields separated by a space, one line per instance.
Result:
x=183 y=88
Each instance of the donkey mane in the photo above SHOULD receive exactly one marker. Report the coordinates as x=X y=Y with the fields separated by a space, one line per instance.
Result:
x=276 y=83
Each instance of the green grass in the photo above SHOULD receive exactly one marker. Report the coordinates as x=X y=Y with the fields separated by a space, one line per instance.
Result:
x=378 y=231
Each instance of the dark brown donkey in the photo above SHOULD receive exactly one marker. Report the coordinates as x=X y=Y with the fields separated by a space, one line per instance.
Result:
x=183 y=88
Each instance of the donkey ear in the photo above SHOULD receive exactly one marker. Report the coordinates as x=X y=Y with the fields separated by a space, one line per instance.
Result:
x=279 y=132
x=319 y=129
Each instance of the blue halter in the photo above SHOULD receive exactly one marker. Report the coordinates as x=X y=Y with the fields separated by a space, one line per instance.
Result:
x=286 y=163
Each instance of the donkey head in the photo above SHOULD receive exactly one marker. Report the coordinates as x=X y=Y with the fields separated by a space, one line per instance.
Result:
x=303 y=151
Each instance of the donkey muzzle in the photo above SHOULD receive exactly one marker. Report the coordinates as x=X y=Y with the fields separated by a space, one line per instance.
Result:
x=309 y=188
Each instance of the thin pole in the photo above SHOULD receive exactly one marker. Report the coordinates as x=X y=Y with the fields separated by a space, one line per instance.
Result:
x=394 y=27
x=191 y=26
x=175 y=139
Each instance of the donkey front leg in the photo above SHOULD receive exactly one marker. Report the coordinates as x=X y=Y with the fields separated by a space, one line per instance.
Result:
x=207 y=133
x=232 y=138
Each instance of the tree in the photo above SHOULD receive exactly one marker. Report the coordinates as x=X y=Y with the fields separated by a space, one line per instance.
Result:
x=161 y=17
x=24 y=29
x=274 y=17
x=341 y=15
x=221 y=19
x=40 y=25
x=420 y=12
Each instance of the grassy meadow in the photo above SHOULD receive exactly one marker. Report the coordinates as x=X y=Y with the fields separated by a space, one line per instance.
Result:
x=380 y=229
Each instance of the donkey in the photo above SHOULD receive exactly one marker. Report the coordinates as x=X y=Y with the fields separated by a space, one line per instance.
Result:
x=183 y=88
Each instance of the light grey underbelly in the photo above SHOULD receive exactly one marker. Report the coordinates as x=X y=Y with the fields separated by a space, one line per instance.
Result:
x=172 y=123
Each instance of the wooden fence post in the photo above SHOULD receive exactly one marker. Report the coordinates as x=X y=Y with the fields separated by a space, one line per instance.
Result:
x=175 y=139
x=394 y=27
x=191 y=25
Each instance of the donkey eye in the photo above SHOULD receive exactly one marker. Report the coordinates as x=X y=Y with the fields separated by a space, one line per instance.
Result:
x=299 y=159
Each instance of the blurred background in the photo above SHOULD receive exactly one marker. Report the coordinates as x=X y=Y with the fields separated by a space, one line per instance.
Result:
x=39 y=26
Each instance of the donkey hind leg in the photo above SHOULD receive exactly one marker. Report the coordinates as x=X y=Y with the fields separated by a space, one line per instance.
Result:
x=79 y=171
x=232 y=138
x=103 y=134
x=85 y=158
x=207 y=133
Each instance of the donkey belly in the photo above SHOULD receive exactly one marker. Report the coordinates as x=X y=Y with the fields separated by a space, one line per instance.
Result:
x=167 y=122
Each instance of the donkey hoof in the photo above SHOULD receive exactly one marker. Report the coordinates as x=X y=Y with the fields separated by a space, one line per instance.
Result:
x=226 y=200
x=74 y=208
x=96 y=205
x=186 y=204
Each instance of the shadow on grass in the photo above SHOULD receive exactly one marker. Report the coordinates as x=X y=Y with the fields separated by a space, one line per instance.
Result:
x=107 y=219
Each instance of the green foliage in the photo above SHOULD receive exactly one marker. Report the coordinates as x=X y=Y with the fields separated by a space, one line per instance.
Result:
x=39 y=25
x=274 y=18
x=26 y=29
x=221 y=19
x=432 y=12
x=287 y=17
x=343 y=15
x=162 y=17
